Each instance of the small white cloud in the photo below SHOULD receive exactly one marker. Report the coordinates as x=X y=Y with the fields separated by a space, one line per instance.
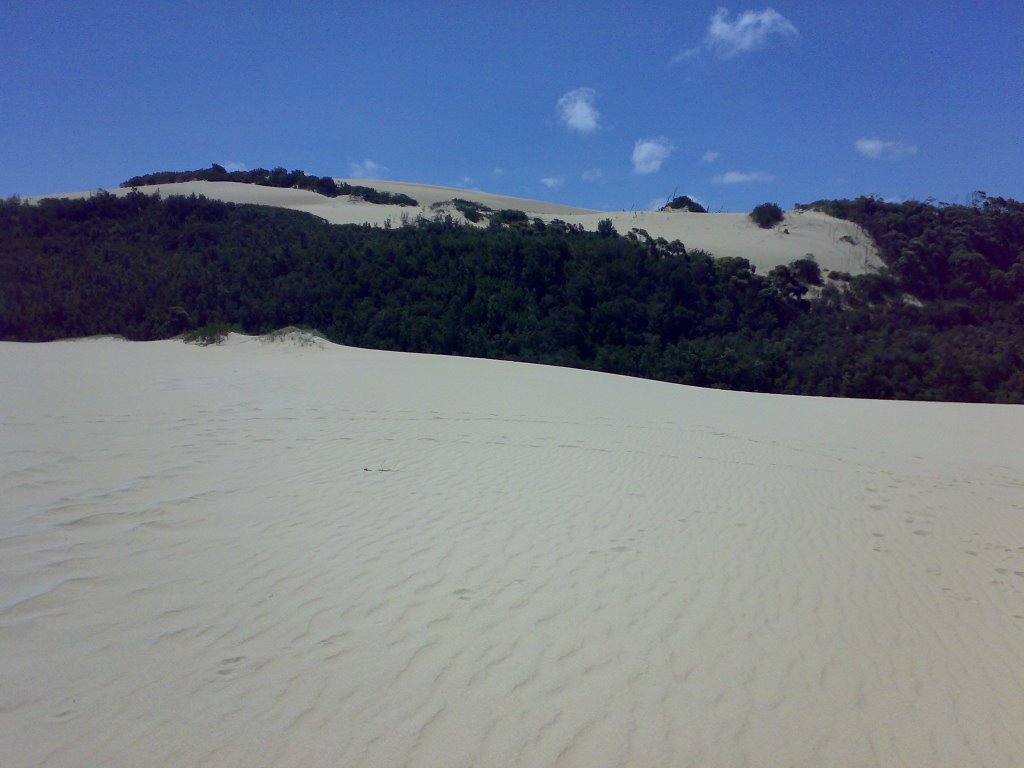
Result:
x=465 y=181
x=689 y=53
x=737 y=177
x=710 y=156
x=576 y=109
x=594 y=174
x=649 y=154
x=497 y=171
x=553 y=182
x=750 y=31
x=367 y=170
x=877 y=149
x=234 y=165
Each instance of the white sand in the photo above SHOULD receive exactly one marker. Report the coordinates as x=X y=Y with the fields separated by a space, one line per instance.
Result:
x=429 y=195
x=834 y=243
x=545 y=567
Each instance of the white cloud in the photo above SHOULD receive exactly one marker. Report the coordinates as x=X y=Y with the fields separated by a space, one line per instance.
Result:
x=234 y=165
x=750 y=30
x=576 y=109
x=367 y=170
x=649 y=154
x=689 y=53
x=594 y=174
x=498 y=171
x=553 y=182
x=710 y=156
x=738 y=177
x=886 y=150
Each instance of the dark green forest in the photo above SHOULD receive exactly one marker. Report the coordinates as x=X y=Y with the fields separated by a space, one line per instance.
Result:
x=943 y=321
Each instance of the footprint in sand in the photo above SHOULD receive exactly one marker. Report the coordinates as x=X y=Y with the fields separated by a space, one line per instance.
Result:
x=232 y=666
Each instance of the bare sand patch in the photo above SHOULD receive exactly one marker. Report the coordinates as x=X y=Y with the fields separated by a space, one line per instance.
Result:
x=303 y=554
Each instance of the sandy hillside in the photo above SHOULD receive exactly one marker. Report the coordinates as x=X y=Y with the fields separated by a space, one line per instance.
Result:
x=428 y=195
x=834 y=243
x=277 y=554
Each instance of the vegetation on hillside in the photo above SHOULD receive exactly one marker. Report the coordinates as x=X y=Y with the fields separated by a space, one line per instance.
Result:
x=971 y=255
x=473 y=211
x=766 y=215
x=278 y=177
x=684 y=203
x=944 y=320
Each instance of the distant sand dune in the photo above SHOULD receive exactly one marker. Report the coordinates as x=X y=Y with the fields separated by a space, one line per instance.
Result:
x=203 y=563
x=834 y=243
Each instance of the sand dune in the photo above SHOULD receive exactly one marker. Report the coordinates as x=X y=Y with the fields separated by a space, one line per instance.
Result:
x=310 y=555
x=428 y=195
x=834 y=243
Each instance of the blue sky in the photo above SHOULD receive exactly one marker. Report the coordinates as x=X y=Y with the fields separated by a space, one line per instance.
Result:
x=595 y=103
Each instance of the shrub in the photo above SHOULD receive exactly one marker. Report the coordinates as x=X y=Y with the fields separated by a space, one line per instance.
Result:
x=684 y=203
x=766 y=214
x=213 y=333
x=506 y=216
x=806 y=270
x=472 y=211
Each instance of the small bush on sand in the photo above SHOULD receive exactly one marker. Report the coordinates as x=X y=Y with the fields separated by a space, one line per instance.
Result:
x=684 y=203
x=472 y=211
x=212 y=333
x=766 y=214
x=296 y=336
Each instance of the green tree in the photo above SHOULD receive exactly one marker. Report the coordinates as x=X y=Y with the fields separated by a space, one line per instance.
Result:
x=605 y=228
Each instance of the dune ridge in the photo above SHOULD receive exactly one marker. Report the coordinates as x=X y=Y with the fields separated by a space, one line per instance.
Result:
x=295 y=553
x=835 y=244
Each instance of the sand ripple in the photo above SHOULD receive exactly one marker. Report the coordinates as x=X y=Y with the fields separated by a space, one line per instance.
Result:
x=271 y=556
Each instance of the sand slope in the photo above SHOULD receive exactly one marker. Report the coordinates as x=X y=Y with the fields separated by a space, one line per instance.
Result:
x=542 y=567
x=834 y=243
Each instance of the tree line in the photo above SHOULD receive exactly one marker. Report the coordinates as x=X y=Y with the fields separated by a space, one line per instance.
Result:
x=943 y=321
